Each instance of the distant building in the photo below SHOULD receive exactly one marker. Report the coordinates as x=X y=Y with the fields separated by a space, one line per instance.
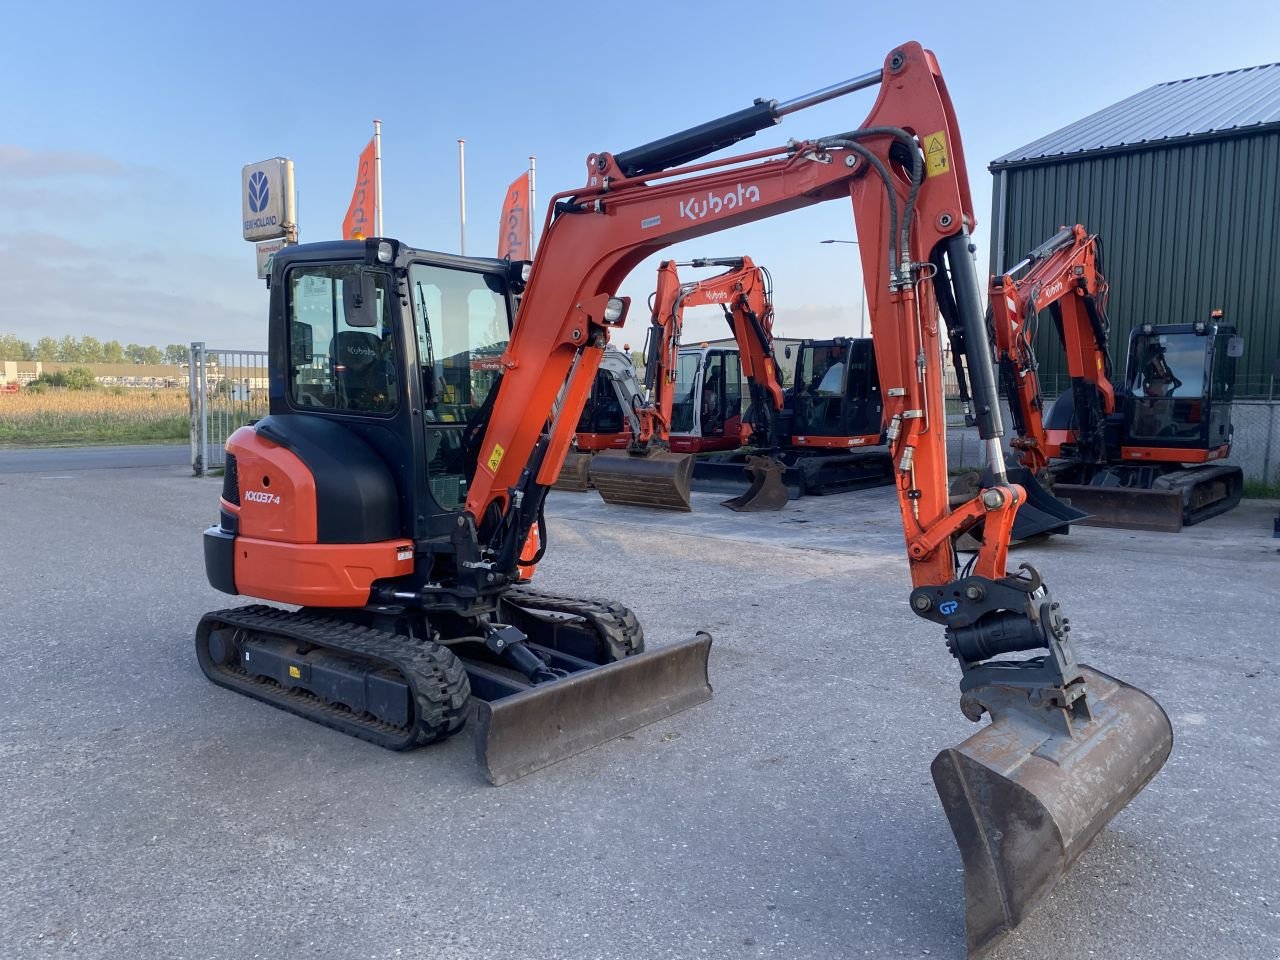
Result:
x=1180 y=182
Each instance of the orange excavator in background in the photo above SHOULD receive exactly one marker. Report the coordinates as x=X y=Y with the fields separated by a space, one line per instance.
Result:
x=648 y=473
x=393 y=491
x=1137 y=456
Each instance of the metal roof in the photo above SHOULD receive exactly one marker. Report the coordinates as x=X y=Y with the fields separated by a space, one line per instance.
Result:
x=1218 y=104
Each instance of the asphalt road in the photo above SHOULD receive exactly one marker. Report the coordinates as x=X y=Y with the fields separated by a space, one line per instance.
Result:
x=147 y=813
x=64 y=459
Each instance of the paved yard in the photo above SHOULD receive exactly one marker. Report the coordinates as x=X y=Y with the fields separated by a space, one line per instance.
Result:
x=147 y=813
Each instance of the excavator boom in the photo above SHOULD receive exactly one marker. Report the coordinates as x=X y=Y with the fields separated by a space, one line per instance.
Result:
x=904 y=171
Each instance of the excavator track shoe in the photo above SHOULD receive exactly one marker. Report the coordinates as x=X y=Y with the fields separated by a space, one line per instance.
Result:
x=575 y=475
x=767 y=490
x=1027 y=794
x=394 y=691
x=654 y=480
x=554 y=721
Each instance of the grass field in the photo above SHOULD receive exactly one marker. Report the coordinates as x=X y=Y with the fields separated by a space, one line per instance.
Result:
x=93 y=416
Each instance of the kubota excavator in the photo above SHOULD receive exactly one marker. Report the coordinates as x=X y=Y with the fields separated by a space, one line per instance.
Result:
x=393 y=490
x=1138 y=455
x=649 y=473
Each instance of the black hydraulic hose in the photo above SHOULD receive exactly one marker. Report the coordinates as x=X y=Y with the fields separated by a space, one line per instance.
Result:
x=899 y=228
x=879 y=168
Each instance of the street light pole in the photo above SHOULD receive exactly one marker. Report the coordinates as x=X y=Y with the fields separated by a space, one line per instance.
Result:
x=862 y=300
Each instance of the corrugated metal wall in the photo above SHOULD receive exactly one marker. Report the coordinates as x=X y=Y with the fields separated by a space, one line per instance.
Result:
x=1185 y=229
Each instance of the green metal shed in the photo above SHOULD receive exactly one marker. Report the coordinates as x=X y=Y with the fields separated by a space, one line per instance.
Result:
x=1180 y=183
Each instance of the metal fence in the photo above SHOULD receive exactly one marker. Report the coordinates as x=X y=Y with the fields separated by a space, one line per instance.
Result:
x=227 y=390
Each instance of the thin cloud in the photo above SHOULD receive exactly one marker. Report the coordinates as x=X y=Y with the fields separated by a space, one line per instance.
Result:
x=19 y=163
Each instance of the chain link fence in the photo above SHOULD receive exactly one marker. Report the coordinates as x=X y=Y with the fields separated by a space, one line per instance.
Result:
x=227 y=390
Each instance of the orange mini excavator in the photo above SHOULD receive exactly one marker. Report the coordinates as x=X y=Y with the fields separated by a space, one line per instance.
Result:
x=1139 y=455
x=395 y=488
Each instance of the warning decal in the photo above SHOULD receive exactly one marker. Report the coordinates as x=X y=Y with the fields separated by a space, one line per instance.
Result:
x=935 y=154
x=495 y=458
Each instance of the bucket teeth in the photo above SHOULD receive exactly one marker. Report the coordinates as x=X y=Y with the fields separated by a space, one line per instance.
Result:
x=653 y=480
x=1027 y=794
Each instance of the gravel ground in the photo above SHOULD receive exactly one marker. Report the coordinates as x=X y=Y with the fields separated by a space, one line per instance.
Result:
x=148 y=813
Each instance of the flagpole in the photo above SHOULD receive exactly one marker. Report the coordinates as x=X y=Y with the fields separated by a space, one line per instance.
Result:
x=462 y=195
x=533 y=206
x=377 y=178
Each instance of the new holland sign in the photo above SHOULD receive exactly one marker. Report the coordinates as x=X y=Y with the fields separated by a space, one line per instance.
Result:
x=267 y=202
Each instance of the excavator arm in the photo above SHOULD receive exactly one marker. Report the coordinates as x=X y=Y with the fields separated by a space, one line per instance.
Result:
x=1068 y=746
x=1063 y=275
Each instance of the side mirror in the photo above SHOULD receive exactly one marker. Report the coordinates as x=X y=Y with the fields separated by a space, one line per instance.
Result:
x=301 y=345
x=1235 y=347
x=786 y=351
x=360 y=300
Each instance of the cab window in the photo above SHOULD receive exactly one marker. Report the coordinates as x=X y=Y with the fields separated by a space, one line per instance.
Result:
x=333 y=364
x=462 y=325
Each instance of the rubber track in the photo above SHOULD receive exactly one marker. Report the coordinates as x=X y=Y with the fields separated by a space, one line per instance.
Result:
x=435 y=676
x=614 y=622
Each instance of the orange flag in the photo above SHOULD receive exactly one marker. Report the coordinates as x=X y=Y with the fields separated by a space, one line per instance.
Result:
x=513 y=232
x=359 y=220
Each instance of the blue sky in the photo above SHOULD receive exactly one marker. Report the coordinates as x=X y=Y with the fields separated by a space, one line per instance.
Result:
x=125 y=126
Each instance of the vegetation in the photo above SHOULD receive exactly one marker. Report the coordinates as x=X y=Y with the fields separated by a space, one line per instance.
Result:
x=87 y=350
x=57 y=415
x=1257 y=489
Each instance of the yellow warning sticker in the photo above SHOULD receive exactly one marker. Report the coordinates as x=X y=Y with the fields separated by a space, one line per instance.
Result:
x=495 y=458
x=935 y=154
x=295 y=672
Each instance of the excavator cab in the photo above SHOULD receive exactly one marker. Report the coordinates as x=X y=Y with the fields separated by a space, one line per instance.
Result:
x=836 y=396
x=706 y=414
x=1181 y=378
x=1172 y=421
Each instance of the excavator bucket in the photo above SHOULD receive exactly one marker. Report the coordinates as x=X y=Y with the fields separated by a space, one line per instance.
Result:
x=652 y=480
x=1027 y=794
x=575 y=474
x=767 y=490
x=1042 y=512
x=550 y=722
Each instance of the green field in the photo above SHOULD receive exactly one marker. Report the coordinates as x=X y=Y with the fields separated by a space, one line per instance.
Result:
x=59 y=416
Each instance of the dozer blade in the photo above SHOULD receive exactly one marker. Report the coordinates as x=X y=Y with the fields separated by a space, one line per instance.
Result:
x=553 y=721
x=1128 y=508
x=653 y=480
x=767 y=490
x=1027 y=793
x=1042 y=512
x=575 y=474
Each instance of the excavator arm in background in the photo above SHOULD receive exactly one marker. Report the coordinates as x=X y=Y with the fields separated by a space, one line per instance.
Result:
x=1063 y=275
x=1068 y=746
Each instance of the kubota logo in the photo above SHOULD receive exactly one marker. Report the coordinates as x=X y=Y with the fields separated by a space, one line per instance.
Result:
x=361 y=351
x=695 y=208
x=1053 y=289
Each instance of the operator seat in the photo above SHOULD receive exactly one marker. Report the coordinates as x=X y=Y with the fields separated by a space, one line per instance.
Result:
x=361 y=372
